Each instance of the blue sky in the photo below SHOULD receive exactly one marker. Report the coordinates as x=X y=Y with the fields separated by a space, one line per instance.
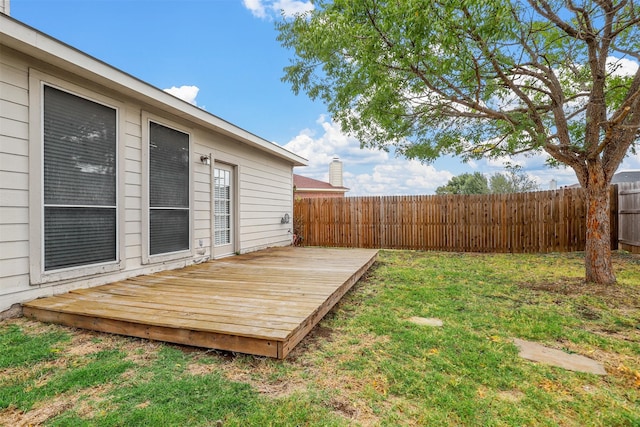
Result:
x=222 y=55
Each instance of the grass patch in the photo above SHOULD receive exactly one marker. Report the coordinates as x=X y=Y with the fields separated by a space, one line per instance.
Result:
x=48 y=382
x=33 y=348
x=364 y=364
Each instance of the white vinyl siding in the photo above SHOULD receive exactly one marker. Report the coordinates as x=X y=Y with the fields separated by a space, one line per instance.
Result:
x=14 y=176
x=133 y=189
x=201 y=200
x=266 y=196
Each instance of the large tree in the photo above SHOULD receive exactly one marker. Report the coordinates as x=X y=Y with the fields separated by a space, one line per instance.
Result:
x=467 y=183
x=481 y=78
x=514 y=180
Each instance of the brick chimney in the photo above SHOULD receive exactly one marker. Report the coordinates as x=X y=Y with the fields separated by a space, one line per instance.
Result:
x=335 y=172
x=4 y=7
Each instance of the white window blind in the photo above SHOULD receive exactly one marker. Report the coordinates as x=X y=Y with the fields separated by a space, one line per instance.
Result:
x=168 y=190
x=79 y=181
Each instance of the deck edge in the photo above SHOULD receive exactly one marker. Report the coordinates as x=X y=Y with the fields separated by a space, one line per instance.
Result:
x=218 y=341
x=298 y=334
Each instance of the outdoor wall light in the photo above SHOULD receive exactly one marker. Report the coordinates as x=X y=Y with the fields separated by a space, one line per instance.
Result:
x=206 y=160
x=285 y=219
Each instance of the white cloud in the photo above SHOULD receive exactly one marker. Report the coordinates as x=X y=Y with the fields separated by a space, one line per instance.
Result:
x=319 y=150
x=563 y=177
x=621 y=66
x=292 y=7
x=504 y=161
x=256 y=7
x=271 y=8
x=186 y=93
x=366 y=171
x=472 y=164
x=397 y=177
x=631 y=162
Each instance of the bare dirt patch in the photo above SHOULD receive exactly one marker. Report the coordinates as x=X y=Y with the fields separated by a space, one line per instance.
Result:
x=262 y=375
x=139 y=351
x=201 y=369
x=12 y=312
x=631 y=335
x=41 y=412
x=623 y=367
x=83 y=402
x=84 y=343
x=23 y=373
x=33 y=327
x=513 y=396
x=315 y=339
x=616 y=296
x=344 y=407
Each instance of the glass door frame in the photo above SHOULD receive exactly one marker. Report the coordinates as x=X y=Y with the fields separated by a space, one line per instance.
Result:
x=226 y=205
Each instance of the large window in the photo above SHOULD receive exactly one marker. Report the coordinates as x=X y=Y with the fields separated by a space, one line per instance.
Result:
x=168 y=190
x=79 y=181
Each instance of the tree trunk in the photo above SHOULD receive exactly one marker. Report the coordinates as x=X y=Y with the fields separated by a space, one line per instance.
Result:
x=599 y=268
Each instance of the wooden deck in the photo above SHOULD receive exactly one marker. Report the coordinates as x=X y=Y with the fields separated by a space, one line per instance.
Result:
x=261 y=303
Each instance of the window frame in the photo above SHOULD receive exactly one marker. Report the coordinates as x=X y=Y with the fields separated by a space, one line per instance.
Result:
x=37 y=82
x=147 y=257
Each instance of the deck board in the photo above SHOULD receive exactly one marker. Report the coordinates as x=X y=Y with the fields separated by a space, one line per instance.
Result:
x=261 y=303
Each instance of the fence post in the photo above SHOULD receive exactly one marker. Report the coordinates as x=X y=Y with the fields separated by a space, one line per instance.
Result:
x=613 y=215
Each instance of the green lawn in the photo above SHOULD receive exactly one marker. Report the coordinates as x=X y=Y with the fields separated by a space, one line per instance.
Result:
x=364 y=364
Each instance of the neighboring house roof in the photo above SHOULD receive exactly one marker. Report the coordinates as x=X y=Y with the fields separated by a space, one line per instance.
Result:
x=303 y=183
x=626 y=176
x=23 y=38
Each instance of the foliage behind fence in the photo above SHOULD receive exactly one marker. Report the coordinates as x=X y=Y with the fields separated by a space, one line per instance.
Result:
x=546 y=221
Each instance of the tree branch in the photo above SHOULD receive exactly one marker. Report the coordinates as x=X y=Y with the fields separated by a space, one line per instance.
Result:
x=544 y=9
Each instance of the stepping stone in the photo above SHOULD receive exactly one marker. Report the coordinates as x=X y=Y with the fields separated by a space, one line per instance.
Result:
x=573 y=362
x=431 y=321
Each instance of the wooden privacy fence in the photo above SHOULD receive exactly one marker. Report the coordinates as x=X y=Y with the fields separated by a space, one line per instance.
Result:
x=546 y=221
x=629 y=214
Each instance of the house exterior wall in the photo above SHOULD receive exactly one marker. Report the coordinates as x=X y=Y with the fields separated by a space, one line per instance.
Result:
x=263 y=192
x=14 y=176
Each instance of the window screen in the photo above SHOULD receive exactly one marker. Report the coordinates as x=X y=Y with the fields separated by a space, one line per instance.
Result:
x=79 y=181
x=168 y=190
